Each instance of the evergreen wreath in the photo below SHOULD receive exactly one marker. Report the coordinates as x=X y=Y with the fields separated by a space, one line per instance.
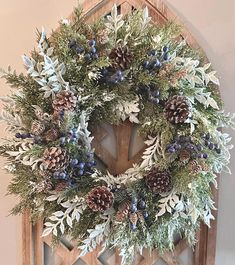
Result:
x=115 y=70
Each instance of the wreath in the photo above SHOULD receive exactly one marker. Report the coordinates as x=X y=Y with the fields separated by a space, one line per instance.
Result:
x=117 y=69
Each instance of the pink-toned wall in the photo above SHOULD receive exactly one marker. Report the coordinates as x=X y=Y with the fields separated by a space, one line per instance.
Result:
x=213 y=24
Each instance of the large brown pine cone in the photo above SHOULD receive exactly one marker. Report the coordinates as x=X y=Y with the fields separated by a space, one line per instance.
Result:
x=177 y=109
x=55 y=158
x=121 y=57
x=37 y=127
x=158 y=181
x=99 y=199
x=64 y=100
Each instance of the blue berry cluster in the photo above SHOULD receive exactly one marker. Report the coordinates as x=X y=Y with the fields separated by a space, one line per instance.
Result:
x=156 y=58
x=208 y=142
x=71 y=137
x=110 y=77
x=61 y=175
x=138 y=205
x=89 y=53
x=186 y=143
x=81 y=167
x=23 y=135
x=77 y=168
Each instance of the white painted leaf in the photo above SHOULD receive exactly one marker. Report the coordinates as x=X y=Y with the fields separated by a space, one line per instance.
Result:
x=46 y=232
x=213 y=78
x=55 y=232
x=48 y=224
x=53 y=218
x=212 y=103
x=58 y=213
x=52 y=198
x=69 y=221
x=62 y=228
x=161 y=212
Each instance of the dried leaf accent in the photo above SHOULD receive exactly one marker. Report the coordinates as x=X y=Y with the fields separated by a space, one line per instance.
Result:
x=152 y=152
x=167 y=204
x=128 y=110
x=115 y=22
x=96 y=237
x=64 y=219
x=24 y=156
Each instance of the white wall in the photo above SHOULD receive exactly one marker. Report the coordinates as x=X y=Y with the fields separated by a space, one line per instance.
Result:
x=18 y=23
x=212 y=22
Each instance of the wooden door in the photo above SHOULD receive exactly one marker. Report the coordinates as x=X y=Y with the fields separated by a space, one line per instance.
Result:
x=38 y=251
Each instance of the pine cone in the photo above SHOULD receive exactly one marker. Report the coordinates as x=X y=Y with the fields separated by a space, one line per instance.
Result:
x=177 y=109
x=176 y=77
x=194 y=167
x=121 y=57
x=55 y=158
x=102 y=36
x=64 y=100
x=51 y=135
x=44 y=186
x=133 y=217
x=37 y=127
x=99 y=199
x=166 y=70
x=140 y=216
x=39 y=113
x=205 y=167
x=158 y=181
x=61 y=186
x=123 y=211
x=184 y=156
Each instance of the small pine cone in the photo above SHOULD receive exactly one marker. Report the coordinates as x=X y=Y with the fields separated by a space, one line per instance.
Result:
x=133 y=217
x=99 y=199
x=55 y=158
x=162 y=73
x=123 y=211
x=205 y=167
x=51 y=135
x=44 y=186
x=64 y=100
x=39 y=113
x=141 y=217
x=194 y=167
x=184 y=156
x=102 y=36
x=88 y=31
x=61 y=186
x=166 y=70
x=121 y=57
x=158 y=181
x=177 y=76
x=37 y=127
x=173 y=81
x=177 y=109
